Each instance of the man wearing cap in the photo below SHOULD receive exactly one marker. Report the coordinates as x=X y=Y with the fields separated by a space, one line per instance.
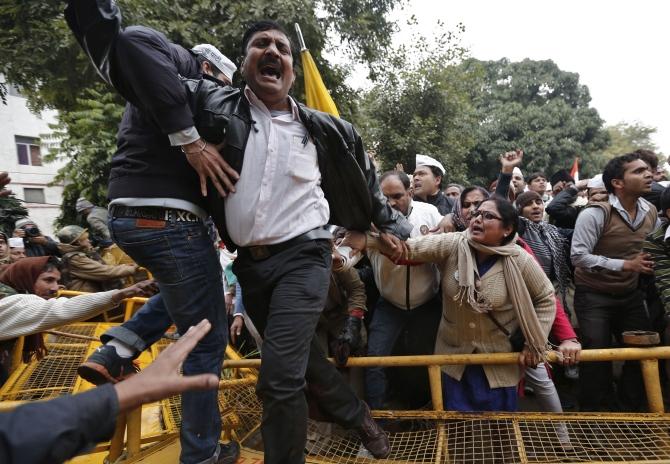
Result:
x=157 y=210
x=17 y=249
x=97 y=218
x=427 y=182
x=82 y=271
x=36 y=244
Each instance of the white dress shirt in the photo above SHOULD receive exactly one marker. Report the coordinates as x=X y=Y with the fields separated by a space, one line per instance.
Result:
x=278 y=195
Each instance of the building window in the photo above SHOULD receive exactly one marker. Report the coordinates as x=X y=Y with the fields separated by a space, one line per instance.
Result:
x=33 y=195
x=28 y=151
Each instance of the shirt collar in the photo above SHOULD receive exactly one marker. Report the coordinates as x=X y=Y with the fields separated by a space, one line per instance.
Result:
x=642 y=205
x=258 y=103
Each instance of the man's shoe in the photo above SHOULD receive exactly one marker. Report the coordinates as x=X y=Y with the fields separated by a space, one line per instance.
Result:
x=230 y=452
x=373 y=436
x=105 y=366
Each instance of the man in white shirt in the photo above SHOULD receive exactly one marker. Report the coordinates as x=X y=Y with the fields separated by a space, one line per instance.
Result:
x=316 y=166
x=409 y=292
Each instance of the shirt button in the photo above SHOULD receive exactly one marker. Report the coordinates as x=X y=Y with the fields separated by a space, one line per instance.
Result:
x=472 y=325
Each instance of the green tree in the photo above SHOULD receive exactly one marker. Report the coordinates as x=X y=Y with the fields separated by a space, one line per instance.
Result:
x=535 y=106
x=39 y=54
x=627 y=137
x=421 y=105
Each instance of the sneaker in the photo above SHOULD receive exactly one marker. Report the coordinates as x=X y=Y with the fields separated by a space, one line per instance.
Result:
x=229 y=454
x=105 y=366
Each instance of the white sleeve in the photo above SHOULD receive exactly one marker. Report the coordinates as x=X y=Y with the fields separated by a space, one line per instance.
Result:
x=28 y=314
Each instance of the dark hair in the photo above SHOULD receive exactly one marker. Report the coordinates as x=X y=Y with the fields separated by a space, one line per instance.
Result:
x=259 y=26
x=665 y=200
x=402 y=177
x=525 y=199
x=648 y=157
x=201 y=59
x=508 y=214
x=615 y=168
x=437 y=173
x=534 y=176
x=474 y=188
x=52 y=264
x=561 y=176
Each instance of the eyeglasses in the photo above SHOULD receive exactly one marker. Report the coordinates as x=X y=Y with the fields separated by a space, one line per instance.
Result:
x=469 y=204
x=486 y=215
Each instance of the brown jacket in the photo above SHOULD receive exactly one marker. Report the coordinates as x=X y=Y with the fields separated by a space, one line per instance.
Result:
x=88 y=275
x=463 y=330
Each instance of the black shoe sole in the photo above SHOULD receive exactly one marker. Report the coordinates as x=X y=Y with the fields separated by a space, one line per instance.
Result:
x=95 y=374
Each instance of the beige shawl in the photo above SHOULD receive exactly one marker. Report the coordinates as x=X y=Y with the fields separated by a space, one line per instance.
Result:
x=523 y=305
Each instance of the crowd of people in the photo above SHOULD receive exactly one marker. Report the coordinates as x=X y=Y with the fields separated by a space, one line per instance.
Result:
x=269 y=220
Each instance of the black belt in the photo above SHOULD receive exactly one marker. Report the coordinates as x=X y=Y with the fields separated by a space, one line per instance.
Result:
x=156 y=213
x=261 y=252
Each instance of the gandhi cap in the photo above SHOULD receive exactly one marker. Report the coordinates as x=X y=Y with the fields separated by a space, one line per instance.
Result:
x=218 y=59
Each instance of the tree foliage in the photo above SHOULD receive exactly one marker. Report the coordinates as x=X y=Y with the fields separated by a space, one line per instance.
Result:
x=627 y=137
x=421 y=105
x=535 y=106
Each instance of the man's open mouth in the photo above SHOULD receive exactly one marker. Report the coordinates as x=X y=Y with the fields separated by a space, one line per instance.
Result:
x=270 y=70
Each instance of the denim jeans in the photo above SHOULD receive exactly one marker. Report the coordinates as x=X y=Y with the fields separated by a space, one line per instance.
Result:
x=183 y=260
x=387 y=324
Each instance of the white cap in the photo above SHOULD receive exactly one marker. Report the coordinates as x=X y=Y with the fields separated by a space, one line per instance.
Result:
x=16 y=242
x=423 y=160
x=517 y=171
x=218 y=59
x=596 y=182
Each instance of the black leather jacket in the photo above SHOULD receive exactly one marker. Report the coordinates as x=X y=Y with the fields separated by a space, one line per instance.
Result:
x=141 y=168
x=349 y=180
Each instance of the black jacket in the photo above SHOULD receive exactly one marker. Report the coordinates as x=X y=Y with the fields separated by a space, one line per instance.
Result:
x=560 y=210
x=349 y=180
x=145 y=69
x=56 y=430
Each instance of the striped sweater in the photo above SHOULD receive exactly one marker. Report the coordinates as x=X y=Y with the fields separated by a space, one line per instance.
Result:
x=659 y=249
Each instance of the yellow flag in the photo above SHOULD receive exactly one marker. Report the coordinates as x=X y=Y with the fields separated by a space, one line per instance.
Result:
x=315 y=91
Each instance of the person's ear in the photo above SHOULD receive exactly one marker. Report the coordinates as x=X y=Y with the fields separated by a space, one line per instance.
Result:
x=617 y=183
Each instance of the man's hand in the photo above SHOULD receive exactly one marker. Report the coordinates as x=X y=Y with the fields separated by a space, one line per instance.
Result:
x=570 y=349
x=510 y=160
x=399 y=167
x=230 y=302
x=209 y=164
x=39 y=240
x=349 y=340
x=445 y=225
x=236 y=327
x=397 y=248
x=146 y=288
x=642 y=263
x=161 y=378
x=355 y=240
x=4 y=181
x=19 y=233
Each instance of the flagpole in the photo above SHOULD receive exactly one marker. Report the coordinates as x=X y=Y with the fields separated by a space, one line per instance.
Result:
x=301 y=40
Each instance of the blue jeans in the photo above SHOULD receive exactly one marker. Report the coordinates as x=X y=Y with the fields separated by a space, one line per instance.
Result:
x=388 y=322
x=182 y=259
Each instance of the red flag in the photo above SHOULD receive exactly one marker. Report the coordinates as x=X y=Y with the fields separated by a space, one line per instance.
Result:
x=574 y=171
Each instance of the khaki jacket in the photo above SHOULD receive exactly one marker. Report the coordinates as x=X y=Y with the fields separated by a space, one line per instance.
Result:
x=462 y=330
x=88 y=275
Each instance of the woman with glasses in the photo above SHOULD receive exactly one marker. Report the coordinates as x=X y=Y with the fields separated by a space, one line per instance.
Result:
x=490 y=287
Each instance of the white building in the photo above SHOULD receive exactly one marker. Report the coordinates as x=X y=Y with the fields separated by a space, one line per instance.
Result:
x=22 y=155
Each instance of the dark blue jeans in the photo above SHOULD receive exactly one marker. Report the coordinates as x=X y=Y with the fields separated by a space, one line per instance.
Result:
x=182 y=259
x=388 y=322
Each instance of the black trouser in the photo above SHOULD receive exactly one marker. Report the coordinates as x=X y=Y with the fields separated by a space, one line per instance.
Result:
x=600 y=316
x=284 y=296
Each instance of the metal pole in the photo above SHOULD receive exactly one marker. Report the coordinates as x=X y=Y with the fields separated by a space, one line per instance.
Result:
x=301 y=40
x=134 y=431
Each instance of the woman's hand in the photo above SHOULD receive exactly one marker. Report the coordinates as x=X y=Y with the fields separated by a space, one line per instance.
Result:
x=528 y=359
x=570 y=350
